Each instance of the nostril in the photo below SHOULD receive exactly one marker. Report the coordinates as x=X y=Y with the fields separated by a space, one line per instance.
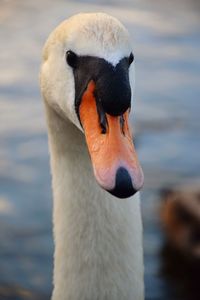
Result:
x=122 y=124
x=101 y=113
x=123 y=184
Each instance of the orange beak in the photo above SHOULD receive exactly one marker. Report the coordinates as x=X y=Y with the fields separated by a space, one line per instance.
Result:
x=114 y=160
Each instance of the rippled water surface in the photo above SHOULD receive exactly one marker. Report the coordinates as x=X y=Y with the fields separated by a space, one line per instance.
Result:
x=166 y=39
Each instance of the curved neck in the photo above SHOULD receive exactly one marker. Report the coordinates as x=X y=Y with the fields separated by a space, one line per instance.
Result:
x=98 y=238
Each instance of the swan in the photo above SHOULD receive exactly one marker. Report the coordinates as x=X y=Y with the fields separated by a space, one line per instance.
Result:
x=84 y=78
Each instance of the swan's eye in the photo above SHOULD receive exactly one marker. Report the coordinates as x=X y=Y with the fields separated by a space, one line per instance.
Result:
x=71 y=58
x=131 y=59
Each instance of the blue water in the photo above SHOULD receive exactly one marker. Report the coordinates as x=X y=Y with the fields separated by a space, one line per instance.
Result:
x=166 y=39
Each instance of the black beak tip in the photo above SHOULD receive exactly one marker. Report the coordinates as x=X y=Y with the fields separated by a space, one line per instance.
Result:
x=123 y=184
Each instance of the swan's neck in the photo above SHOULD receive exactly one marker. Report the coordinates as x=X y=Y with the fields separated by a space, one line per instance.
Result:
x=98 y=238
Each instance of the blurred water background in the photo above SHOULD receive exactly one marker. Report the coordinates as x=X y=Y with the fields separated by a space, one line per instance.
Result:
x=166 y=39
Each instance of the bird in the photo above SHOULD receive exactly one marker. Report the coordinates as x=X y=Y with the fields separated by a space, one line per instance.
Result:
x=87 y=85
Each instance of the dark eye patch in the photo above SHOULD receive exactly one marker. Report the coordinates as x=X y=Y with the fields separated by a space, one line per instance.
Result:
x=131 y=59
x=71 y=58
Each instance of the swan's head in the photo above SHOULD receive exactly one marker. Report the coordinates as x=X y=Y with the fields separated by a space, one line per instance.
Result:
x=87 y=76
